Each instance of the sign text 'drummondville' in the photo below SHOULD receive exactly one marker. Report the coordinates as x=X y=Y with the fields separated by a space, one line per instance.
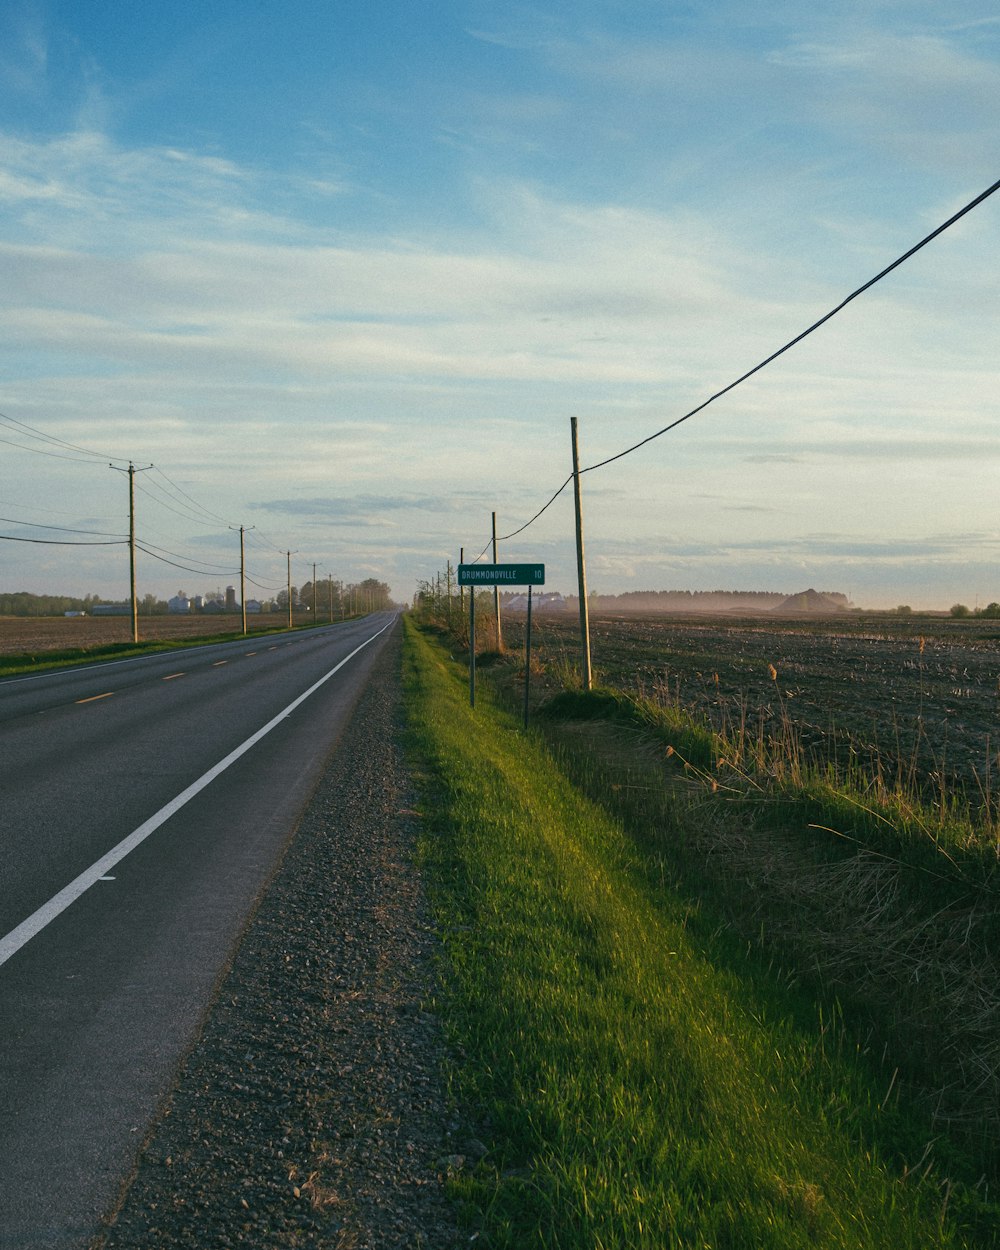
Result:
x=501 y=575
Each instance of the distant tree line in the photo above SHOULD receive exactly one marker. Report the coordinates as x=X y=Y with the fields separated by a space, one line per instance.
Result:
x=346 y=599
x=23 y=603
x=751 y=601
x=991 y=612
x=339 y=598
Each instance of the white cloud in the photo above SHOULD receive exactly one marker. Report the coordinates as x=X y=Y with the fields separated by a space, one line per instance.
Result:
x=172 y=305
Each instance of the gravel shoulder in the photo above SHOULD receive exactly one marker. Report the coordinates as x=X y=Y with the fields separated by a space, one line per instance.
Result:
x=312 y=1110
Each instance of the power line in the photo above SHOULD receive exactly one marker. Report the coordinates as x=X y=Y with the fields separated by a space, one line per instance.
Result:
x=55 y=542
x=985 y=195
x=805 y=333
x=263 y=585
x=53 y=454
x=172 y=497
x=180 y=555
x=255 y=533
x=183 y=512
x=51 y=438
x=65 y=529
x=186 y=567
x=190 y=498
x=502 y=538
x=26 y=507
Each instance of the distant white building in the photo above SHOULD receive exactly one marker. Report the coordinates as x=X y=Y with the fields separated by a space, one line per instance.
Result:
x=539 y=603
x=179 y=603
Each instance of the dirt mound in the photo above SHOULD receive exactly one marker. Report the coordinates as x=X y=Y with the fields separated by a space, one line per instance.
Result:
x=809 y=601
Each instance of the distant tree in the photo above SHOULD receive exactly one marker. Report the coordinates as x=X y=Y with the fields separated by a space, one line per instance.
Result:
x=991 y=611
x=904 y=609
x=959 y=610
x=24 y=603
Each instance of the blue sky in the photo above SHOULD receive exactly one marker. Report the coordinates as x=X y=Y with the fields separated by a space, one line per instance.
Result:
x=344 y=273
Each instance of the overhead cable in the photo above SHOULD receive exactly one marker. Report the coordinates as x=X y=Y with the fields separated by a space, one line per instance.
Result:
x=805 y=333
x=55 y=542
x=180 y=555
x=262 y=585
x=985 y=195
x=55 y=455
x=63 y=529
x=214 y=516
x=51 y=438
x=186 y=567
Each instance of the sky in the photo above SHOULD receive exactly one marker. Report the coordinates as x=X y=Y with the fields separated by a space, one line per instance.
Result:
x=343 y=274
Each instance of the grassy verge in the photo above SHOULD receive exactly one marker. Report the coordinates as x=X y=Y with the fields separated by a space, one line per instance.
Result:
x=636 y=1083
x=882 y=898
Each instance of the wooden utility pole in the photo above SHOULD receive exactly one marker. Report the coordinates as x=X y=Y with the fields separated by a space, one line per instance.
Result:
x=472 y=646
x=243 y=576
x=289 y=554
x=314 y=592
x=132 y=471
x=496 y=589
x=243 y=582
x=461 y=588
x=581 y=565
x=329 y=578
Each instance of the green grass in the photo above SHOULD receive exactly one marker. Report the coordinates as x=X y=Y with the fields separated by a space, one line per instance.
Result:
x=634 y=1088
x=773 y=776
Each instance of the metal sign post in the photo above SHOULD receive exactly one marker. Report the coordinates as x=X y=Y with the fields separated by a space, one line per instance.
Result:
x=497 y=575
x=527 y=660
x=472 y=647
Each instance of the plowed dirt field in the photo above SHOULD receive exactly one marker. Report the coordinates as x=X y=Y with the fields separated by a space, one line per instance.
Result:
x=917 y=696
x=31 y=635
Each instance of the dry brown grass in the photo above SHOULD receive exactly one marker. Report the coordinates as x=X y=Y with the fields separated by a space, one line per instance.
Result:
x=918 y=979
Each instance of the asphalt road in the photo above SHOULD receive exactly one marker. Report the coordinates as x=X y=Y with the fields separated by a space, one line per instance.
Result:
x=130 y=863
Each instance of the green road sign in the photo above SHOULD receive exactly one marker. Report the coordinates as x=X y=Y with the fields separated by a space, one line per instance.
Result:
x=501 y=575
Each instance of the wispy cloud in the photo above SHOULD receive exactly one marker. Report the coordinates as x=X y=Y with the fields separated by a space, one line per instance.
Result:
x=583 y=216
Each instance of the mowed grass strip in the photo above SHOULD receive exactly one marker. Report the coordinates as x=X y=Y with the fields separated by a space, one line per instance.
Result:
x=630 y=1092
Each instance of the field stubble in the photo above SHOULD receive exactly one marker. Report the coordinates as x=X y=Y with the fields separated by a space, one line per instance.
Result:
x=880 y=889
x=36 y=635
x=913 y=701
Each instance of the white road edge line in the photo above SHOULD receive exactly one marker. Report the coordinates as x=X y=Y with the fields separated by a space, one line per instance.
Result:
x=12 y=942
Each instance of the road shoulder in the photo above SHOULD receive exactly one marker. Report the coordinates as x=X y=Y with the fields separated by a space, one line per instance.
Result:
x=312 y=1109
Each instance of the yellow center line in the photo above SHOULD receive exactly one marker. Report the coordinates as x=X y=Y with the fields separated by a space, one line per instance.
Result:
x=94 y=697
x=173 y=675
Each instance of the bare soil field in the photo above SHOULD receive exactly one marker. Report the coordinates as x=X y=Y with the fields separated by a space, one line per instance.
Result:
x=33 y=635
x=917 y=697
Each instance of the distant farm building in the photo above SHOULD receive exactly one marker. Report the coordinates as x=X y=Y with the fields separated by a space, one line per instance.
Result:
x=179 y=603
x=539 y=603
